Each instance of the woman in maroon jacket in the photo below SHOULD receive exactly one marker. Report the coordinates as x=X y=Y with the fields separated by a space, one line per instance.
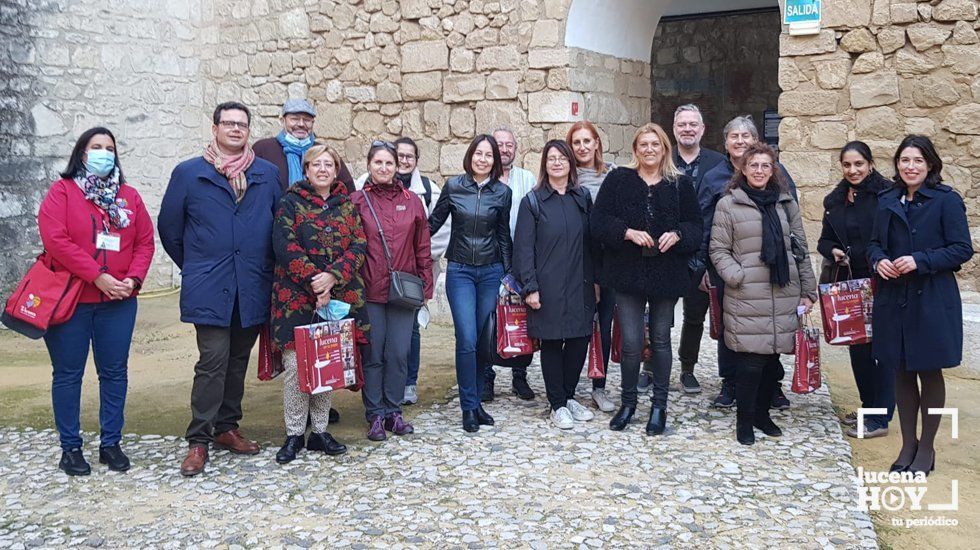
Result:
x=93 y=224
x=406 y=233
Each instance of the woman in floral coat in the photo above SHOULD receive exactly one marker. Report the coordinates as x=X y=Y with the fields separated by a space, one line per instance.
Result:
x=319 y=246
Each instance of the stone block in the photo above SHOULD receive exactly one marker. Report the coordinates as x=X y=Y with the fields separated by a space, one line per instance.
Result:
x=499 y=58
x=809 y=168
x=461 y=60
x=466 y=87
x=494 y=114
x=963 y=33
x=46 y=122
x=917 y=125
x=908 y=61
x=891 y=39
x=878 y=123
x=934 y=90
x=604 y=108
x=964 y=119
x=547 y=34
x=789 y=73
x=422 y=86
x=333 y=121
x=359 y=94
x=962 y=59
x=503 y=84
x=904 y=13
x=868 y=63
x=828 y=135
x=881 y=12
x=858 y=41
x=832 y=75
x=482 y=38
x=955 y=10
x=872 y=90
x=415 y=9
x=535 y=80
x=424 y=56
x=542 y=59
x=975 y=89
x=294 y=24
x=555 y=106
x=846 y=13
x=462 y=122
x=808 y=103
x=382 y=23
x=436 y=118
x=451 y=158
x=807 y=45
x=368 y=123
x=926 y=35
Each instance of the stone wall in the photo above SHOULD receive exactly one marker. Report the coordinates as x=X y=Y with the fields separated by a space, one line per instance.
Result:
x=726 y=65
x=877 y=71
x=70 y=65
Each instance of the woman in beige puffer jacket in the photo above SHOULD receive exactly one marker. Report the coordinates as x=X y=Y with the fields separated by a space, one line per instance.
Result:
x=764 y=285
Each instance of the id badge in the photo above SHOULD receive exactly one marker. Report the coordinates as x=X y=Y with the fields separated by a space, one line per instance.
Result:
x=107 y=241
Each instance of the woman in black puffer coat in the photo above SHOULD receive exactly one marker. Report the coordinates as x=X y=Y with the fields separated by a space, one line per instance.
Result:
x=647 y=219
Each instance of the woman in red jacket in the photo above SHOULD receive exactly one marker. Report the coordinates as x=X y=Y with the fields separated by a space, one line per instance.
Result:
x=95 y=225
x=401 y=216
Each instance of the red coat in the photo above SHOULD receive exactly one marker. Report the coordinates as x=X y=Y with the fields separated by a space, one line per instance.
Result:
x=406 y=230
x=68 y=224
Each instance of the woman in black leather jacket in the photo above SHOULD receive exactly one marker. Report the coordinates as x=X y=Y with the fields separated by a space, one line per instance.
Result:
x=479 y=254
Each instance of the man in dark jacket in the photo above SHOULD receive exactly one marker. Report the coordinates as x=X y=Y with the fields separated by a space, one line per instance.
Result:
x=216 y=224
x=286 y=150
x=694 y=161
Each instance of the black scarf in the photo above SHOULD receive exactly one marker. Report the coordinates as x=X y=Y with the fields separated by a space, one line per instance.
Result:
x=773 y=249
x=404 y=179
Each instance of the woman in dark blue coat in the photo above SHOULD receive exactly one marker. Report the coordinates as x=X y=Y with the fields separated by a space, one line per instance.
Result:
x=920 y=239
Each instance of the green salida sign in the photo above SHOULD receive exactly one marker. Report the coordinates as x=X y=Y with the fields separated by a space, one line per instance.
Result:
x=802 y=11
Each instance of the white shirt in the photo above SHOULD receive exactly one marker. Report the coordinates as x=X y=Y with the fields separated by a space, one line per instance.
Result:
x=520 y=181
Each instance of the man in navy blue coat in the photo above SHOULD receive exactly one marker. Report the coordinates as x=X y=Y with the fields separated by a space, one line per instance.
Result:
x=216 y=224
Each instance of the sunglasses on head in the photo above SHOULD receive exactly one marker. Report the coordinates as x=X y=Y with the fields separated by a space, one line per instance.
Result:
x=386 y=144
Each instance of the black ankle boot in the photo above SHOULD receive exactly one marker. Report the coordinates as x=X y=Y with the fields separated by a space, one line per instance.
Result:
x=522 y=388
x=744 y=432
x=483 y=417
x=73 y=463
x=114 y=458
x=471 y=422
x=289 y=449
x=325 y=442
x=767 y=426
x=658 y=421
x=621 y=418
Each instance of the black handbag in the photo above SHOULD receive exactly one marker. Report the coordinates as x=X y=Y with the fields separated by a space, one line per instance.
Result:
x=405 y=290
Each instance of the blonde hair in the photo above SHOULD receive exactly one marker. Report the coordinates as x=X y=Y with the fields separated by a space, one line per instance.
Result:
x=668 y=170
x=318 y=148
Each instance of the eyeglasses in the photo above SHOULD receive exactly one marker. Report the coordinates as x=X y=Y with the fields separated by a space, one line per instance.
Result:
x=386 y=144
x=406 y=156
x=231 y=124
x=557 y=160
x=760 y=166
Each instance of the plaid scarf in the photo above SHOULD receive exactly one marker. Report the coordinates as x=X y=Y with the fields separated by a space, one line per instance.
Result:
x=232 y=167
x=102 y=192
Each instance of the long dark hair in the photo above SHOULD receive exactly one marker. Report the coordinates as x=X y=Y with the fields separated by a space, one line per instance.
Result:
x=566 y=152
x=498 y=168
x=923 y=144
x=858 y=147
x=776 y=182
x=76 y=166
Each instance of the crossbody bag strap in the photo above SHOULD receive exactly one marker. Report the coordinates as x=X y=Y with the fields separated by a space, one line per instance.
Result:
x=381 y=230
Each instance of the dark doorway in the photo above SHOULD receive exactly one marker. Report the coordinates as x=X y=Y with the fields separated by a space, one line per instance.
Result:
x=725 y=63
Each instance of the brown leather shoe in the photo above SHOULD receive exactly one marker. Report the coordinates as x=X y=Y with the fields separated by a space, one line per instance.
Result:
x=193 y=464
x=233 y=441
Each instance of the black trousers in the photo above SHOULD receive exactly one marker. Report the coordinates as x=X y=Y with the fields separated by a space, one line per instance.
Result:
x=756 y=378
x=727 y=359
x=219 y=379
x=561 y=366
x=696 y=306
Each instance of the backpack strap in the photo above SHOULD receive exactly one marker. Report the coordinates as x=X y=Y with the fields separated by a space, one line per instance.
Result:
x=428 y=192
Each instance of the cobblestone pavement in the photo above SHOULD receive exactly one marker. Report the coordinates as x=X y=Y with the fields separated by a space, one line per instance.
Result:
x=522 y=483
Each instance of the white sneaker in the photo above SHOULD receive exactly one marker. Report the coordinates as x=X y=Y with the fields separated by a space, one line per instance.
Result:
x=562 y=418
x=411 y=396
x=602 y=401
x=579 y=413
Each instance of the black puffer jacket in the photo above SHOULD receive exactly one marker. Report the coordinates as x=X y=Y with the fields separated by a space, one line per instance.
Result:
x=480 y=231
x=622 y=205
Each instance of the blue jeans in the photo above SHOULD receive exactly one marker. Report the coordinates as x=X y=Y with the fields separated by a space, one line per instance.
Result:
x=472 y=293
x=108 y=328
x=414 y=355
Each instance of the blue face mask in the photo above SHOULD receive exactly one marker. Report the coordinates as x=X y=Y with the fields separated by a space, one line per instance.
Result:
x=335 y=310
x=100 y=162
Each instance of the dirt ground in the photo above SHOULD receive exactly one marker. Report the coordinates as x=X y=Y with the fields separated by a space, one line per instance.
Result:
x=161 y=370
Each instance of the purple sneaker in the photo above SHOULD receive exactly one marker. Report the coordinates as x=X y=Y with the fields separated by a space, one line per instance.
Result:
x=377 y=430
x=395 y=424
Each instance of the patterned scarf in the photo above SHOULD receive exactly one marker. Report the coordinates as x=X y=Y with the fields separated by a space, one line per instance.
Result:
x=102 y=192
x=295 y=149
x=233 y=167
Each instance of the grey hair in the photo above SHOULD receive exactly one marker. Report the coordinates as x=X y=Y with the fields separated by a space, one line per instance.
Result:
x=743 y=122
x=688 y=108
x=505 y=129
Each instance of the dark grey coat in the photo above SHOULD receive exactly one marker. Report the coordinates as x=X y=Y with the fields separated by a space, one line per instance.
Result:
x=553 y=255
